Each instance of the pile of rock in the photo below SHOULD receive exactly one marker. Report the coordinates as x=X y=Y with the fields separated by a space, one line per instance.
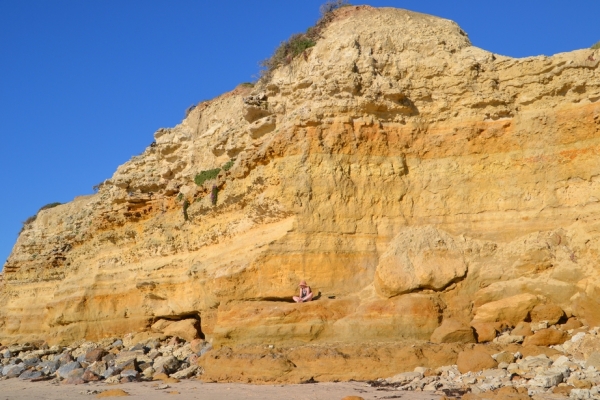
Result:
x=112 y=360
x=569 y=369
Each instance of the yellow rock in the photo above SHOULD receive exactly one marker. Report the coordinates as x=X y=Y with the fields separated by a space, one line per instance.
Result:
x=513 y=309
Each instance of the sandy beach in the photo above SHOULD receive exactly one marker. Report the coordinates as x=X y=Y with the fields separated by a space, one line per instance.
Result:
x=15 y=389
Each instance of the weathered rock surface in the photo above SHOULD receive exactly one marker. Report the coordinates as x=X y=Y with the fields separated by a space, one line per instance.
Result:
x=407 y=175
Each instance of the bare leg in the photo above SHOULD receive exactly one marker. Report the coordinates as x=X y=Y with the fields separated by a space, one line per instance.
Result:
x=297 y=299
x=308 y=297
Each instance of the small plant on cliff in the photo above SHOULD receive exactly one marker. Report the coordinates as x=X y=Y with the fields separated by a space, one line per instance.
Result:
x=596 y=46
x=213 y=195
x=204 y=176
x=227 y=166
x=189 y=109
x=186 y=205
x=298 y=43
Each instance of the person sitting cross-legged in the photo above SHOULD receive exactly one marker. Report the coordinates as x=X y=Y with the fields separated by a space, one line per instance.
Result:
x=305 y=293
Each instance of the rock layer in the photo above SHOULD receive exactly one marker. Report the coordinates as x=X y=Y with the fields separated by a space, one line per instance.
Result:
x=407 y=175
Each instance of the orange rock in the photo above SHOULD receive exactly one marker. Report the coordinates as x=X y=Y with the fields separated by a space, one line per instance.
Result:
x=547 y=312
x=512 y=309
x=572 y=323
x=546 y=337
x=587 y=309
x=564 y=390
x=112 y=393
x=453 y=331
x=186 y=329
x=485 y=331
x=530 y=350
x=474 y=360
x=353 y=398
x=522 y=329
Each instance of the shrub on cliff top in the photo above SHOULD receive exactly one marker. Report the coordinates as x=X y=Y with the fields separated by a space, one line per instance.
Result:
x=596 y=46
x=298 y=43
x=34 y=217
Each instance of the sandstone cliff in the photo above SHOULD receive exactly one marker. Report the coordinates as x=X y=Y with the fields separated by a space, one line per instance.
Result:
x=407 y=175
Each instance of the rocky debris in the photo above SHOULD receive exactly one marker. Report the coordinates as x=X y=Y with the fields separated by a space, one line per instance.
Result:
x=109 y=361
x=567 y=372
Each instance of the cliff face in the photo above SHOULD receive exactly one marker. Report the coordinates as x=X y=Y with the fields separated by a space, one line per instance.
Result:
x=408 y=176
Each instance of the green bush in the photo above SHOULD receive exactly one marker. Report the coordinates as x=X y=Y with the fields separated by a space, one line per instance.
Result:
x=51 y=205
x=227 y=166
x=206 y=176
x=298 y=43
x=596 y=46
x=332 y=5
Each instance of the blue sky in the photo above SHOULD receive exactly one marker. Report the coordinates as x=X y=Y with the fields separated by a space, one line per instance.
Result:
x=85 y=83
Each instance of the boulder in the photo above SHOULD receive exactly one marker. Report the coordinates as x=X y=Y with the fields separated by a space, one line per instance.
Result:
x=160 y=325
x=546 y=337
x=74 y=377
x=453 y=331
x=572 y=323
x=522 y=329
x=485 y=331
x=185 y=373
x=64 y=370
x=95 y=355
x=474 y=360
x=90 y=376
x=547 y=312
x=512 y=309
x=504 y=357
x=186 y=329
x=166 y=364
x=419 y=257
x=31 y=374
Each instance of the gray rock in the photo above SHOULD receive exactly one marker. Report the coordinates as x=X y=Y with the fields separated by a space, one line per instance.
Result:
x=110 y=372
x=547 y=379
x=130 y=373
x=185 y=373
x=31 y=374
x=31 y=362
x=6 y=354
x=166 y=364
x=49 y=367
x=205 y=349
x=531 y=362
x=65 y=369
x=581 y=394
x=12 y=371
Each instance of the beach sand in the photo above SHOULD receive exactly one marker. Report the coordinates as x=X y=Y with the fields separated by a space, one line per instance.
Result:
x=192 y=389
